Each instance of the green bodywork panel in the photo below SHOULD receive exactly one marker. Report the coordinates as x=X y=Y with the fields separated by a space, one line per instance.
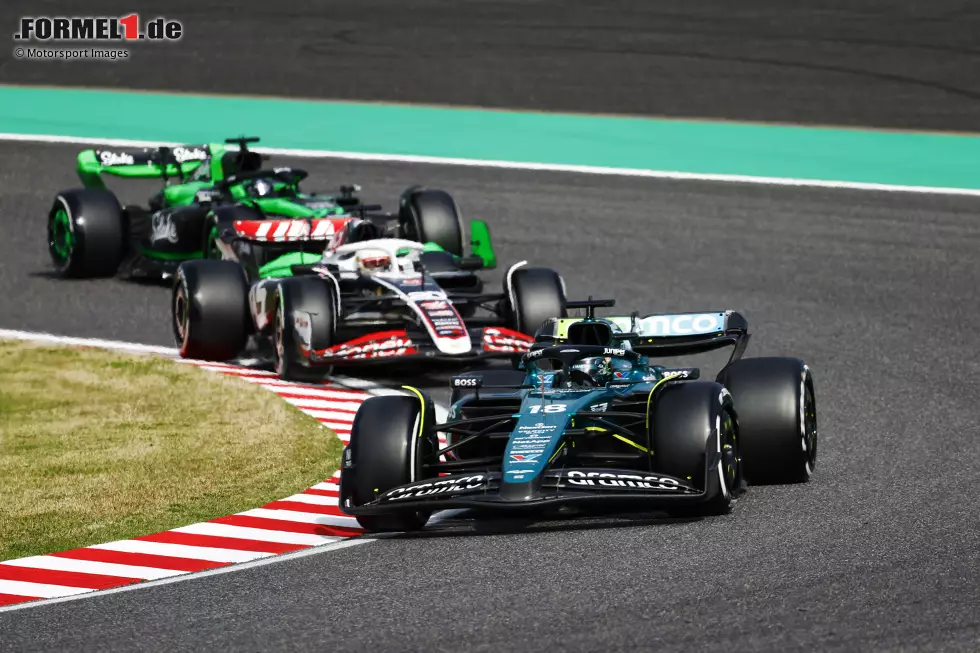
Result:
x=183 y=194
x=91 y=172
x=282 y=266
x=286 y=208
x=172 y=256
x=481 y=244
x=90 y=169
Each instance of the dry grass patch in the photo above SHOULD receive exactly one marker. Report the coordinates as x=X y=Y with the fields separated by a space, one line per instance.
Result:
x=98 y=446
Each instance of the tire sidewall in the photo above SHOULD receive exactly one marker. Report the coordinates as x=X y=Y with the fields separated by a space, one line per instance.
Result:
x=215 y=308
x=687 y=419
x=770 y=403
x=535 y=295
x=97 y=226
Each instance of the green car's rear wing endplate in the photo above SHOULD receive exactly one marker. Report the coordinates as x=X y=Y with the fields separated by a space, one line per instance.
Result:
x=480 y=246
x=145 y=163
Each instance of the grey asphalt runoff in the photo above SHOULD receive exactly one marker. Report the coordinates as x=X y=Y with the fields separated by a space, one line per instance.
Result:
x=910 y=64
x=879 y=552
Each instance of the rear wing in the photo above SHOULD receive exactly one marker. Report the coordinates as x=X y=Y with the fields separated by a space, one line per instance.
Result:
x=146 y=163
x=680 y=334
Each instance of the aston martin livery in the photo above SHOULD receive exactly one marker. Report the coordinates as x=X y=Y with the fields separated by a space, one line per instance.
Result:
x=590 y=419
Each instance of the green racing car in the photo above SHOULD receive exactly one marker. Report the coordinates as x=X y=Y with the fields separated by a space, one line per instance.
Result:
x=91 y=234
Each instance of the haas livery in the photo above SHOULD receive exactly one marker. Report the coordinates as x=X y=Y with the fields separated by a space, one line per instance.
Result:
x=339 y=291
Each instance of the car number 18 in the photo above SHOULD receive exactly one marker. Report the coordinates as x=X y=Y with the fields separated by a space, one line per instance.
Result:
x=550 y=408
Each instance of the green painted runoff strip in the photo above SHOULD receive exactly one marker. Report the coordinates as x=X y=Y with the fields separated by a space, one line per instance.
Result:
x=898 y=158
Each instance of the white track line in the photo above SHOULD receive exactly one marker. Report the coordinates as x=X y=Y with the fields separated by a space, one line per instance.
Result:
x=520 y=165
x=87 y=342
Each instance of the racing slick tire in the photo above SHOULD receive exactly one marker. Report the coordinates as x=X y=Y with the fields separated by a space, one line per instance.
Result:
x=302 y=303
x=490 y=378
x=680 y=417
x=429 y=215
x=209 y=310
x=86 y=233
x=534 y=295
x=389 y=439
x=777 y=418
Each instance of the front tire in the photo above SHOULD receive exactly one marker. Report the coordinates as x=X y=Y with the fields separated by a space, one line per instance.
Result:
x=390 y=437
x=305 y=320
x=777 y=416
x=86 y=233
x=681 y=416
x=429 y=215
x=209 y=310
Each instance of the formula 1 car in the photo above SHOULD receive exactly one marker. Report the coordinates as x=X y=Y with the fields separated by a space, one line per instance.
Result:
x=90 y=234
x=590 y=421
x=364 y=299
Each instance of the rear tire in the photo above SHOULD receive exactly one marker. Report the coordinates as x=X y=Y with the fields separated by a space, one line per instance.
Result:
x=302 y=303
x=429 y=215
x=209 y=310
x=777 y=417
x=389 y=438
x=86 y=233
x=681 y=416
x=535 y=295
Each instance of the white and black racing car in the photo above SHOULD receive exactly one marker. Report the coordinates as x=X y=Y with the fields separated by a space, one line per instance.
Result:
x=361 y=300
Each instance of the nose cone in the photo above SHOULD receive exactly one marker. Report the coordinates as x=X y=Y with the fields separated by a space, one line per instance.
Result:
x=454 y=344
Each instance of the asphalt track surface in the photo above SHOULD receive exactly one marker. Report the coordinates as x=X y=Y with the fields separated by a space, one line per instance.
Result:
x=880 y=551
x=912 y=64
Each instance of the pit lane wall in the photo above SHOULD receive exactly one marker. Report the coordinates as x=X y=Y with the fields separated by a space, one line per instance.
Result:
x=597 y=144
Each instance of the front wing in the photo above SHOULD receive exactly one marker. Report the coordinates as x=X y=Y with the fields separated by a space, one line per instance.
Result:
x=559 y=487
x=390 y=346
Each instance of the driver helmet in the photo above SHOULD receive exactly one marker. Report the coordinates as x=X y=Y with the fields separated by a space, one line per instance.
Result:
x=596 y=367
x=606 y=369
x=372 y=261
x=261 y=188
